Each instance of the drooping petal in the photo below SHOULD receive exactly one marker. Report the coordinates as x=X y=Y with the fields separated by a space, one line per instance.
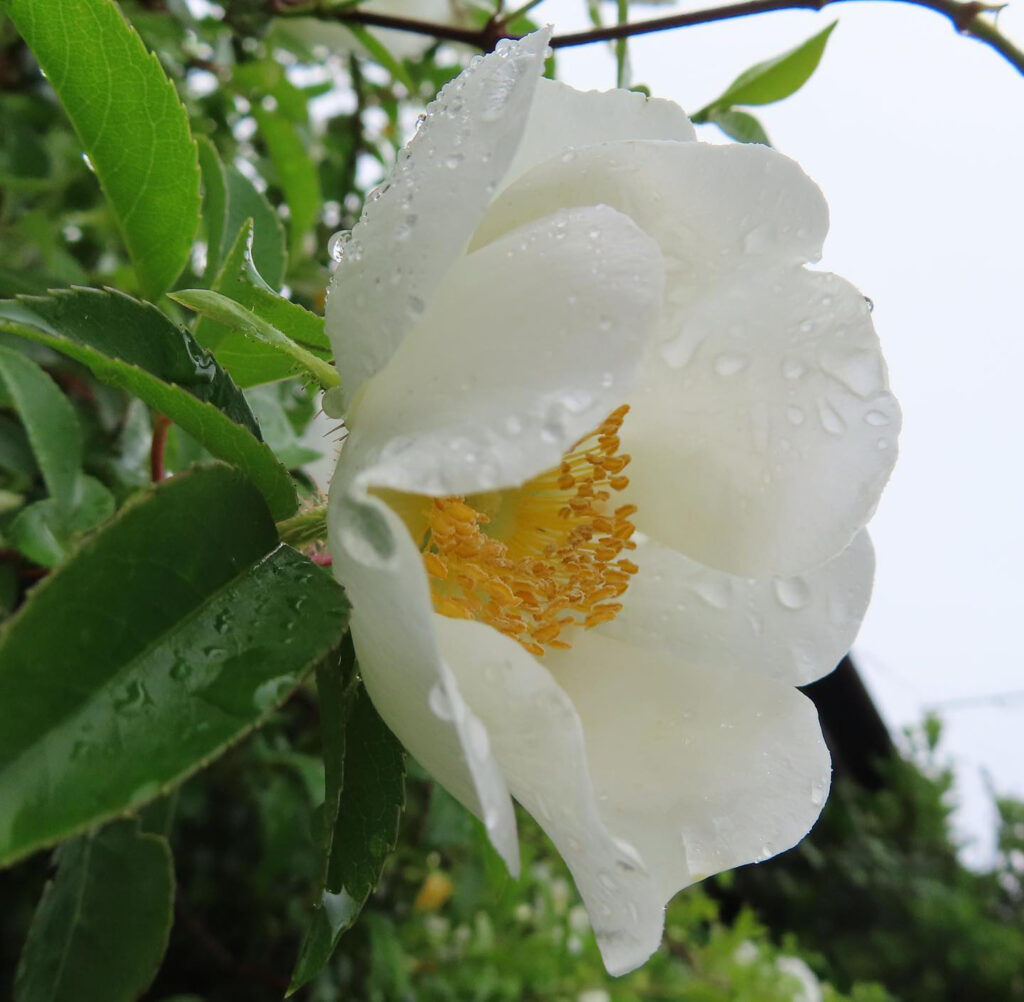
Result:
x=411 y=233
x=535 y=734
x=411 y=686
x=699 y=770
x=711 y=209
x=562 y=118
x=764 y=449
x=527 y=345
x=792 y=629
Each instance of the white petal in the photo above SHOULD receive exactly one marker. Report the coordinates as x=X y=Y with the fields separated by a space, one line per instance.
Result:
x=527 y=345
x=711 y=209
x=562 y=118
x=535 y=734
x=408 y=237
x=792 y=629
x=699 y=770
x=412 y=688
x=764 y=449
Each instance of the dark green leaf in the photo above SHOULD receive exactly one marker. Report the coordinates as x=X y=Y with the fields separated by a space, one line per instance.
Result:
x=163 y=639
x=50 y=422
x=132 y=344
x=740 y=126
x=249 y=362
x=131 y=124
x=231 y=199
x=102 y=925
x=776 y=78
x=366 y=826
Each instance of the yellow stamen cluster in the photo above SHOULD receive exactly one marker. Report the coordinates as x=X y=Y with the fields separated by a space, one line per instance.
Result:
x=559 y=564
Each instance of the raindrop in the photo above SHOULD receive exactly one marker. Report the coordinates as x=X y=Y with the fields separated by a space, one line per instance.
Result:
x=792 y=593
x=440 y=703
x=222 y=622
x=180 y=671
x=336 y=244
x=607 y=882
x=498 y=90
x=817 y=794
x=717 y=592
x=728 y=364
x=453 y=160
x=415 y=305
x=793 y=368
x=877 y=419
x=794 y=415
x=870 y=303
x=831 y=419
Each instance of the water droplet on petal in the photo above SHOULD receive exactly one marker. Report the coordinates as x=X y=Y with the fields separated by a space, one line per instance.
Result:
x=792 y=593
x=729 y=364
x=336 y=244
x=440 y=703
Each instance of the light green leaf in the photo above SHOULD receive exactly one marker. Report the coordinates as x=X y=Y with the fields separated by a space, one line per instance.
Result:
x=379 y=53
x=775 y=78
x=371 y=775
x=102 y=925
x=739 y=125
x=164 y=638
x=132 y=344
x=50 y=422
x=249 y=362
x=237 y=318
x=130 y=121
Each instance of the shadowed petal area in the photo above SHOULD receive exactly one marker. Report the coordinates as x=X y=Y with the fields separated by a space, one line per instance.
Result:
x=412 y=688
x=528 y=345
x=699 y=770
x=765 y=448
x=562 y=118
x=426 y=212
x=793 y=629
x=535 y=734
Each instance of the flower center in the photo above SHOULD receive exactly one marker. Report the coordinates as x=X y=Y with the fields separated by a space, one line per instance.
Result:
x=538 y=560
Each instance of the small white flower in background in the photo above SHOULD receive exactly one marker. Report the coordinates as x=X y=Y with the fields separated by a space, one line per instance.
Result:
x=611 y=449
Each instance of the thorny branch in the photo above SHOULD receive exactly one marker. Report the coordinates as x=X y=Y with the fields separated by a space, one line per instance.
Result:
x=967 y=17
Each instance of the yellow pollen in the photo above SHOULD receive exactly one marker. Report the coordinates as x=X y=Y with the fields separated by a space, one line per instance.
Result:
x=554 y=564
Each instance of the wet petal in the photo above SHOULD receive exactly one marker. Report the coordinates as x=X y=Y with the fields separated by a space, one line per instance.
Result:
x=535 y=734
x=411 y=686
x=699 y=770
x=764 y=447
x=793 y=629
x=409 y=236
x=527 y=345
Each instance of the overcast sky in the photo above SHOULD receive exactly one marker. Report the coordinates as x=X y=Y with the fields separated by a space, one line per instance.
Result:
x=916 y=136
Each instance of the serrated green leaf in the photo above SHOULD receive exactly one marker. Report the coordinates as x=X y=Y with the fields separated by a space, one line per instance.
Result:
x=165 y=637
x=739 y=125
x=102 y=925
x=249 y=362
x=131 y=124
x=372 y=795
x=49 y=421
x=226 y=312
x=775 y=78
x=132 y=344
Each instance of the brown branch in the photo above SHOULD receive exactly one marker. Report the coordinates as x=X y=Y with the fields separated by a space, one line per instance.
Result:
x=161 y=425
x=966 y=17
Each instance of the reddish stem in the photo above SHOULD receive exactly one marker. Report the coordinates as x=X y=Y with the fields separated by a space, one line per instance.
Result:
x=161 y=425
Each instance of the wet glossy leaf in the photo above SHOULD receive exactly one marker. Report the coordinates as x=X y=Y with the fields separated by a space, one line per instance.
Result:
x=369 y=804
x=102 y=925
x=132 y=344
x=162 y=640
x=130 y=121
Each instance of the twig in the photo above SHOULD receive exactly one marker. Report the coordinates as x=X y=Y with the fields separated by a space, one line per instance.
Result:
x=161 y=425
x=966 y=17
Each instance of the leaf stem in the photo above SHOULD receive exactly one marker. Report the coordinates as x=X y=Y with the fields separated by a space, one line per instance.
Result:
x=966 y=17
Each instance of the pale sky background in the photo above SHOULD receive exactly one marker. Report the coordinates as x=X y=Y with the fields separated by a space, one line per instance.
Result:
x=916 y=136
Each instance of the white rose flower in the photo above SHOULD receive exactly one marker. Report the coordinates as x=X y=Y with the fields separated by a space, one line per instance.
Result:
x=551 y=283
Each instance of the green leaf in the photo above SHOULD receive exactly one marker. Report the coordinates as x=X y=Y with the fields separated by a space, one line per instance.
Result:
x=132 y=344
x=372 y=794
x=296 y=172
x=230 y=199
x=50 y=422
x=103 y=923
x=278 y=430
x=237 y=318
x=775 y=78
x=250 y=362
x=379 y=53
x=45 y=532
x=130 y=121
x=739 y=125
x=165 y=638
